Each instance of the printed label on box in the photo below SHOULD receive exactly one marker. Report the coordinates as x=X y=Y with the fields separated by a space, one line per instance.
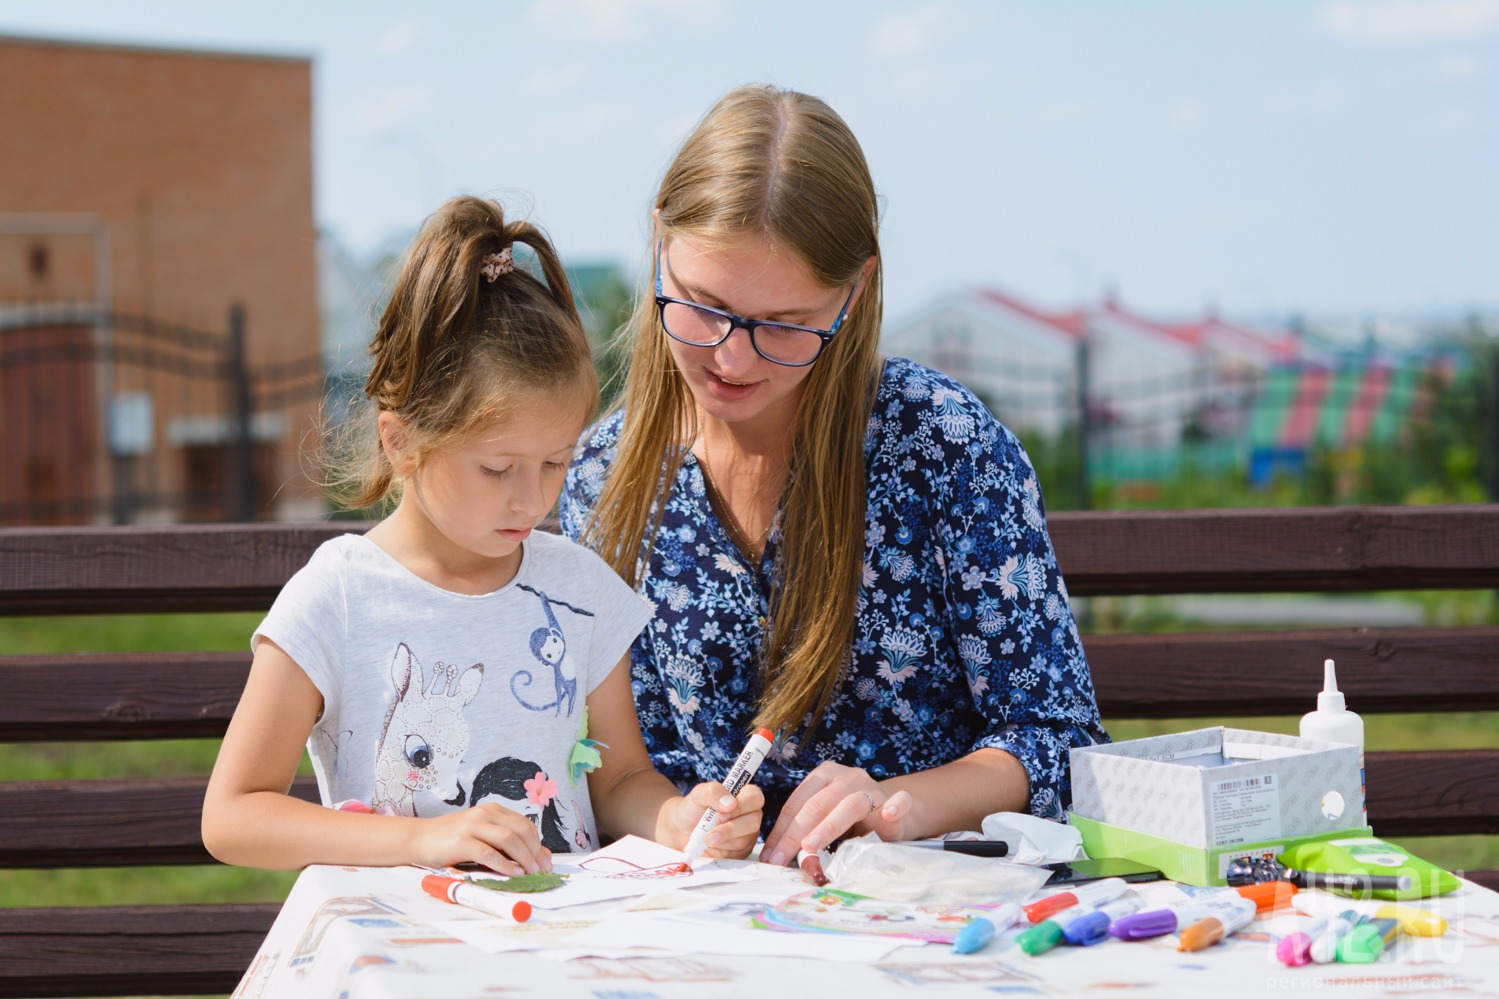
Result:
x=1244 y=810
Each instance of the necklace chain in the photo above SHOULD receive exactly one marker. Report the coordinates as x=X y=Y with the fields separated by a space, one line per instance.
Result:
x=726 y=517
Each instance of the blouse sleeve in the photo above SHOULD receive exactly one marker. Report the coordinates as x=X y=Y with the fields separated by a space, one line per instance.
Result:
x=1008 y=610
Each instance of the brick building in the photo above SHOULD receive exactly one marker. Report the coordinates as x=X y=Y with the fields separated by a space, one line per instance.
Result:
x=143 y=194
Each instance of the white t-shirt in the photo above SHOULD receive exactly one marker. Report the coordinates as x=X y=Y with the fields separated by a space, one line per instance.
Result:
x=434 y=700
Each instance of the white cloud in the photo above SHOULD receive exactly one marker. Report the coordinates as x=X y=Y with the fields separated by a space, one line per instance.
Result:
x=398 y=38
x=625 y=21
x=1454 y=121
x=1061 y=113
x=1462 y=68
x=1186 y=113
x=913 y=33
x=1401 y=21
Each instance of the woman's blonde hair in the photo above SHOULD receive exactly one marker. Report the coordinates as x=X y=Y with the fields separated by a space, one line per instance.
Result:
x=466 y=331
x=785 y=166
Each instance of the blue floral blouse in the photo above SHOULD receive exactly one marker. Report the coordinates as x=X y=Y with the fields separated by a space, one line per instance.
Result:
x=965 y=637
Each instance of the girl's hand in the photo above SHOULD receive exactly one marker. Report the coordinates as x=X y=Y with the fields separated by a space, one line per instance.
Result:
x=735 y=829
x=834 y=801
x=504 y=841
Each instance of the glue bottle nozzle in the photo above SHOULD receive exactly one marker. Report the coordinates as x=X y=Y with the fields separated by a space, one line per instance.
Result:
x=1331 y=698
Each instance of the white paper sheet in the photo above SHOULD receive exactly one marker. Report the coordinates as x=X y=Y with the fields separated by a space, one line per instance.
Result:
x=627 y=868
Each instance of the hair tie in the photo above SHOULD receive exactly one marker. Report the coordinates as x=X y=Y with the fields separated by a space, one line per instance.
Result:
x=495 y=264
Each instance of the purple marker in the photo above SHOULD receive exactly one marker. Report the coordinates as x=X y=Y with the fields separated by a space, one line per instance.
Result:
x=1093 y=928
x=1158 y=922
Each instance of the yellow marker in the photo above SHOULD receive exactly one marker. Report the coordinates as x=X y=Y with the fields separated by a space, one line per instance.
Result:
x=1413 y=921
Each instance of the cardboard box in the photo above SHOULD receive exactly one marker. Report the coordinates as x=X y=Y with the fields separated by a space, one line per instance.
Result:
x=1209 y=792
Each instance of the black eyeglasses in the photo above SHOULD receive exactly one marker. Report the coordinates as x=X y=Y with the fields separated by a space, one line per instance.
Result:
x=704 y=326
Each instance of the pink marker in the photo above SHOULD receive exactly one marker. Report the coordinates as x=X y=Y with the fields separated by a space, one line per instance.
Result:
x=1296 y=949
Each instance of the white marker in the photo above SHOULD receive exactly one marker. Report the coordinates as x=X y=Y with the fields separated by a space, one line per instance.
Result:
x=740 y=774
x=460 y=892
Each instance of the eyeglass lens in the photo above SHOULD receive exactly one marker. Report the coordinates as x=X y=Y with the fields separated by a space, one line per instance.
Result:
x=701 y=326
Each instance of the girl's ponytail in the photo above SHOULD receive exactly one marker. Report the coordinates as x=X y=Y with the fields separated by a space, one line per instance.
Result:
x=466 y=329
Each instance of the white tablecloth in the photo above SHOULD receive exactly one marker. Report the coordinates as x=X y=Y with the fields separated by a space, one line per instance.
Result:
x=371 y=933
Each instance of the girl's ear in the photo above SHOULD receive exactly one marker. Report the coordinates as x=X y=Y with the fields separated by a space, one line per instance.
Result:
x=394 y=442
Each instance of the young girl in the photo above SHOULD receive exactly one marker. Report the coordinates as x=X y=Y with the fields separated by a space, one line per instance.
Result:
x=457 y=678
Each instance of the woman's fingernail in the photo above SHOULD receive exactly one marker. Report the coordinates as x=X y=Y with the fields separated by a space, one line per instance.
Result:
x=726 y=802
x=777 y=859
x=812 y=843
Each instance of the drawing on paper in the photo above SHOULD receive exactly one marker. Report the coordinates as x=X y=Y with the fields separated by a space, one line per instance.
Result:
x=827 y=910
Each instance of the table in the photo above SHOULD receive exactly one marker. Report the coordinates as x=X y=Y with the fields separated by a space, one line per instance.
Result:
x=371 y=933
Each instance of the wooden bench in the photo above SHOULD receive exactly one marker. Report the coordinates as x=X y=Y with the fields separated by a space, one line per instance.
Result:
x=204 y=948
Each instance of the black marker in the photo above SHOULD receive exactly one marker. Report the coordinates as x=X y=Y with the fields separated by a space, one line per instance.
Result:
x=973 y=847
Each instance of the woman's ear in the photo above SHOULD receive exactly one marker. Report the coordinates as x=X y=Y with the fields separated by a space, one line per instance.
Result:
x=864 y=274
x=394 y=441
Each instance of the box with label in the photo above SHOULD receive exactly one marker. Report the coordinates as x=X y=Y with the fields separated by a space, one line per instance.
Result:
x=1215 y=788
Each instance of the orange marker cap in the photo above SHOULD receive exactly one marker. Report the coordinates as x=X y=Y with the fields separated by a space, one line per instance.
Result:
x=1203 y=933
x=1268 y=895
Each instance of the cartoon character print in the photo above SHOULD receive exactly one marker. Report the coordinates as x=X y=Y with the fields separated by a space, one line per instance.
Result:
x=528 y=790
x=549 y=646
x=425 y=733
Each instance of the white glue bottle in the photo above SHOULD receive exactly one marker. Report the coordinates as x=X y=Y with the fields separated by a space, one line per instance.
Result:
x=1333 y=722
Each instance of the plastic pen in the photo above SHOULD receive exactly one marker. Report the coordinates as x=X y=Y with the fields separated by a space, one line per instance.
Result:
x=1206 y=932
x=1091 y=894
x=1365 y=942
x=1296 y=949
x=973 y=847
x=979 y=930
x=1158 y=922
x=1414 y=920
x=1094 y=927
x=1359 y=884
x=1046 y=934
x=740 y=774
x=460 y=892
x=1324 y=949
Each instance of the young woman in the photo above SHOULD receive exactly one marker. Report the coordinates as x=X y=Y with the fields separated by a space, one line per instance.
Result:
x=844 y=548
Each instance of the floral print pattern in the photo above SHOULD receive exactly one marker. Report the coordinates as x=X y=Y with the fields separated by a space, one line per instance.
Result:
x=965 y=636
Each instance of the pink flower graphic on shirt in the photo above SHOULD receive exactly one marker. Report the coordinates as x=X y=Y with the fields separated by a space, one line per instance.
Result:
x=540 y=790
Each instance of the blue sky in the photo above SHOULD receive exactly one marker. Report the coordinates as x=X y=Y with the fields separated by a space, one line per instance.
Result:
x=1338 y=157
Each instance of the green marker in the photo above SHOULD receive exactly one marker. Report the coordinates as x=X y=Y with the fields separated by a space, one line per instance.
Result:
x=1048 y=933
x=1366 y=941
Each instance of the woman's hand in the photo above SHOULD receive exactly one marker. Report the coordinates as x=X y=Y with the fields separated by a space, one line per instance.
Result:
x=833 y=801
x=504 y=841
x=736 y=827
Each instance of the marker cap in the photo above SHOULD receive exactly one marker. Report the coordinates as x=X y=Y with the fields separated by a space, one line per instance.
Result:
x=1040 y=938
x=1366 y=941
x=1294 y=950
x=974 y=936
x=1203 y=933
x=1089 y=930
x=1413 y=920
x=1268 y=895
x=1143 y=925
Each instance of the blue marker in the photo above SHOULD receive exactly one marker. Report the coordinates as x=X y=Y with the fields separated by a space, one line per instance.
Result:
x=979 y=930
x=1094 y=927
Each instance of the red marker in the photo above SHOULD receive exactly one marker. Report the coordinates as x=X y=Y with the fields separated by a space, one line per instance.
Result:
x=460 y=892
x=1092 y=893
